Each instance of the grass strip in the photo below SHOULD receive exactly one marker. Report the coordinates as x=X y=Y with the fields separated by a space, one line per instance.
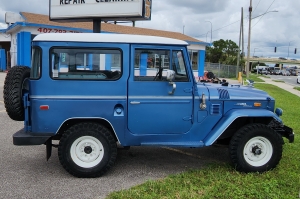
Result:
x=297 y=88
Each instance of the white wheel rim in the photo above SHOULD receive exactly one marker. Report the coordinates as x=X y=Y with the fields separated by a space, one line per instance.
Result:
x=87 y=151
x=258 y=151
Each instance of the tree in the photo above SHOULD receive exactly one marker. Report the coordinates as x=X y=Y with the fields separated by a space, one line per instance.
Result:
x=223 y=51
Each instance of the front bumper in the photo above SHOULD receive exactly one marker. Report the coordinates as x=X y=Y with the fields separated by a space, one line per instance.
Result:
x=284 y=130
x=22 y=138
x=288 y=133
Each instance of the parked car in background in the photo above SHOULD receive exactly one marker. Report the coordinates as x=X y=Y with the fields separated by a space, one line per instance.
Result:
x=283 y=58
x=276 y=72
x=298 y=78
x=286 y=73
x=293 y=72
x=263 y=71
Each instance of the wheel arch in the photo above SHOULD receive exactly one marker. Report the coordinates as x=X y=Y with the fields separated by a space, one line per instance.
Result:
x=72 y=121
x=238 y=123
x=234 y=120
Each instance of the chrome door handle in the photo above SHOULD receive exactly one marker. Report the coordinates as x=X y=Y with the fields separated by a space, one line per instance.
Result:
x=134 y=102
x=173 y=89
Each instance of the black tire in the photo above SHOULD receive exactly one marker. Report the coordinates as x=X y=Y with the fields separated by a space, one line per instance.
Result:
x=255 y=148
x=80 y=142
x=13 y=91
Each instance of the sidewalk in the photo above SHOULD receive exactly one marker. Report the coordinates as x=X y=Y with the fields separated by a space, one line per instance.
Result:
x=282 y=85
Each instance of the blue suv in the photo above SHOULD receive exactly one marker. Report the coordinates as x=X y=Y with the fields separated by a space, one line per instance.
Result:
x=94 y=91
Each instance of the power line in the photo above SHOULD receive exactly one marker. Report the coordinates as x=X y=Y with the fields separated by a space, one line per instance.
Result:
x=220 y=28
x=236 y=21
x=256 y=5
x=264 y=15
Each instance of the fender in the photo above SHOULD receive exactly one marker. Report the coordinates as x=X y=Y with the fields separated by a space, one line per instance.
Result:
x=230 y=117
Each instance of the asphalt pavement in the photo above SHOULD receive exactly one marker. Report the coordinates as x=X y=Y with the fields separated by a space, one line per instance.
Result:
x=25 y=173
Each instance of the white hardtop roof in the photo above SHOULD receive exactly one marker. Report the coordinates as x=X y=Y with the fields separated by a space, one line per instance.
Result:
x=109 y=38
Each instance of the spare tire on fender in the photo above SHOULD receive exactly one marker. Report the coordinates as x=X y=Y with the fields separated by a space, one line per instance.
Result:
x=14 y=86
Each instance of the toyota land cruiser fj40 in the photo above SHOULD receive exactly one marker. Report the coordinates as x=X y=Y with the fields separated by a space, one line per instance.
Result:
x=93 y=92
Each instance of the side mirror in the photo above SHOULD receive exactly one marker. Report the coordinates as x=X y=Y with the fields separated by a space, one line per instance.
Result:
x=170 y=75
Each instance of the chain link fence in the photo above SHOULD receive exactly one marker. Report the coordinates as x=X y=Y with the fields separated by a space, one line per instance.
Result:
x=222 y=70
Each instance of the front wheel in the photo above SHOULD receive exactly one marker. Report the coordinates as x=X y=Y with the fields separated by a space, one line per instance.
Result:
x=87 y=150
x=255 y=148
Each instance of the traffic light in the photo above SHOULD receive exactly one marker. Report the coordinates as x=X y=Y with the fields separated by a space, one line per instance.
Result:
x=275 y=49
x=295 y=50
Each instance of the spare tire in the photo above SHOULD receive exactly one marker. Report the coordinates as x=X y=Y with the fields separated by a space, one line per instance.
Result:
x=14 y=85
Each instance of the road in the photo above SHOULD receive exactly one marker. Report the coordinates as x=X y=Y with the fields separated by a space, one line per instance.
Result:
x=25 y=173
x=292 y=80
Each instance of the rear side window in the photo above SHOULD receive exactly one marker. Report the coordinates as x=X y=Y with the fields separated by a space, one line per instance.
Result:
x=36 y=63
x=87 y=64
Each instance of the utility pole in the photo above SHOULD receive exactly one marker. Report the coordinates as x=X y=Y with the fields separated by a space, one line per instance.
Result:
x=249 y=40
x=239 y=50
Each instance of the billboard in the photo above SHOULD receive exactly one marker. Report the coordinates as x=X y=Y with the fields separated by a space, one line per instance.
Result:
x=106 y=10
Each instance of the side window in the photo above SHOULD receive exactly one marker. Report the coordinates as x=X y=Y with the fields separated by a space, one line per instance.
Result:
x=178 y=65
x=87 y=64
x=36 y=62
x=151 y=65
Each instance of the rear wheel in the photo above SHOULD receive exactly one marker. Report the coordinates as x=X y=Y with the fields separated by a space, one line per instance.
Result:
x=15 y=85
x=87 y=150
x=255 y=148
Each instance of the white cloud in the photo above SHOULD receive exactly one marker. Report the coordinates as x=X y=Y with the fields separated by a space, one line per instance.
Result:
x=273 y=29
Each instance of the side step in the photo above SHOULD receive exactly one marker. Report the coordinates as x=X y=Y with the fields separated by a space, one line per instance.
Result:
x=174 y=144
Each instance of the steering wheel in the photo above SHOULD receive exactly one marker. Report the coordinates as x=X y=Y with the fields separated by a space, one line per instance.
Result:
x=158 y=74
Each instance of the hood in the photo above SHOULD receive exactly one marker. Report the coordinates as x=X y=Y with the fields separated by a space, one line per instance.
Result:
x=235 y=92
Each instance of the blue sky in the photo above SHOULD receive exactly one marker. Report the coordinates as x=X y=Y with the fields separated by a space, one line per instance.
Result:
x=197 y=17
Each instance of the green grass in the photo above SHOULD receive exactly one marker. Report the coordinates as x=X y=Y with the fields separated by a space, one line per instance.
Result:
x=254 y=77
x=278 y=81
x=297 y=88
x=220 y=180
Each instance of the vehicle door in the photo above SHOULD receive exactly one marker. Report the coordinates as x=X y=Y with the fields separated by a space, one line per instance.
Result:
x=156 y=105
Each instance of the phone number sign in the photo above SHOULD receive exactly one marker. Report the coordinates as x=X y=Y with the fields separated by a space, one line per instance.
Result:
x=54 y=30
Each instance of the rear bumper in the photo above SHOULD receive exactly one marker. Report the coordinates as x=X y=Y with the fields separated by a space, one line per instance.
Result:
x=22 y=138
